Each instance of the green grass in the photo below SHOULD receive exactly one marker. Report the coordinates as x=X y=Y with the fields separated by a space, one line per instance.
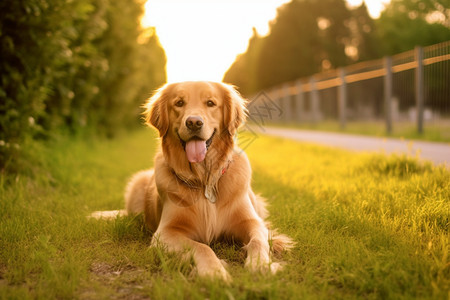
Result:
x=366 y=226
x=433 y=132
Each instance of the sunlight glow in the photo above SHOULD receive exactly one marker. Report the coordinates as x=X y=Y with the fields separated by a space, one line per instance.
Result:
x=202 y=38
x=375 y=7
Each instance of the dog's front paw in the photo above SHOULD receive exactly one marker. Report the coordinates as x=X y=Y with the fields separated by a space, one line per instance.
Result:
x=218 y=271
x=256 y=265
x=275 y=267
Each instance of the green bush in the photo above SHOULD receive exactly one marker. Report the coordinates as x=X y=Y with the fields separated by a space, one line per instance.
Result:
x=72 y=65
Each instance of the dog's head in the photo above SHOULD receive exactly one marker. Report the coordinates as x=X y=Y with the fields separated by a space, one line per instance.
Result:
x=195 y=114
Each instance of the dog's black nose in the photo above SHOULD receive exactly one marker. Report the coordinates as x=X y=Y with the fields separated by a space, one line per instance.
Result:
x=194 y=123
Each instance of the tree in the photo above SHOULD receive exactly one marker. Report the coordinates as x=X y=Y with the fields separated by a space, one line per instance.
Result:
x=306 y=37
x=409 y=23
x=72 y=65
x=365 y=39
x=242 y=72
x=291 y=48
x=309 y=36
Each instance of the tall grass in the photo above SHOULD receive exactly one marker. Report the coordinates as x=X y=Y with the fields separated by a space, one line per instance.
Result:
x=366 y=226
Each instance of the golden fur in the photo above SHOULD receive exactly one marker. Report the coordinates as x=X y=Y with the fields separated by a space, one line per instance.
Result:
x=187 y=205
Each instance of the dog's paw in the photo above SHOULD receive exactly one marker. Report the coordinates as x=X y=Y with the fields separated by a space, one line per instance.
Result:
x=224 y=263
x=218 y=272
x=263 y=267
x=275 y=267
x=107 y=215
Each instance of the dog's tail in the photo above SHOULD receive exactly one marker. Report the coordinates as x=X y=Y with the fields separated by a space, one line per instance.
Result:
x=135 y=194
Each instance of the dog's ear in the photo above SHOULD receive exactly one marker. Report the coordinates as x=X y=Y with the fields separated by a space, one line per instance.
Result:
x=156 y=113
x=234 y=109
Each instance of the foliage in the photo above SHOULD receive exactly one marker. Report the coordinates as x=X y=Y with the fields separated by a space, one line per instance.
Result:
x=73 y=65
x=367 y=227
x=243 y=71
x=305 y=38
x=408 y=23
x=308 y=37
x=365 y=32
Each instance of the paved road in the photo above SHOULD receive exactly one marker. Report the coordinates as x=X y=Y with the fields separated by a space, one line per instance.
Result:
x=439 y=153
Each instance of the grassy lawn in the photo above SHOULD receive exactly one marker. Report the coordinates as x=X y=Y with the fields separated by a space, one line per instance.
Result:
x=366 y=226
x=434 y=132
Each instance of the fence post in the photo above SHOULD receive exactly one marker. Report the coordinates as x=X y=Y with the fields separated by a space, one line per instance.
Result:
x=299 y=102
x=419 y=88
x=277 y=99
x=342 y=99
x=287 y=103
x=280 y=102
x=314 y=100
x=388 y=93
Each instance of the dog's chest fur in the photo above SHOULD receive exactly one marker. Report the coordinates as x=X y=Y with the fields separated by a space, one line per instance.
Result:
x=207 y=225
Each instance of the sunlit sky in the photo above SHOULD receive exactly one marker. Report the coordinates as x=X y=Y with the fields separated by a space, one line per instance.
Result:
x=202 y=38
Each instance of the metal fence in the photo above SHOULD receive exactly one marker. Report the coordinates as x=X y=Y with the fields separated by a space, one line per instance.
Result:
x=411 y=88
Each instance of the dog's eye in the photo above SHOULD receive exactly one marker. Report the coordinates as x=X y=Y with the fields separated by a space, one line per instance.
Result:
x=210 y=103
x=179 y=103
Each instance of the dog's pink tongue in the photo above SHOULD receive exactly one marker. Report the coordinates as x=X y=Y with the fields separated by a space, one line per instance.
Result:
x=196 y=151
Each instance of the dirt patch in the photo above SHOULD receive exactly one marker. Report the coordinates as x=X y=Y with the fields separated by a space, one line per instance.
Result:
x=123 y=281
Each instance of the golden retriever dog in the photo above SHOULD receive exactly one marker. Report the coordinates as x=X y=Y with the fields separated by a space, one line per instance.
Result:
x=199 y=190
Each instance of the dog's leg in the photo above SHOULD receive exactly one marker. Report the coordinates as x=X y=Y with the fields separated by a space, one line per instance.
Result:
x=256 y=238
x=279 y=242
x=250 y=229
x=206 y=261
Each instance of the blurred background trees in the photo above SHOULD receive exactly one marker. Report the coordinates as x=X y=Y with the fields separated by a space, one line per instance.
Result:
x=83 y=65
x=408 y=23
x=311 y=36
